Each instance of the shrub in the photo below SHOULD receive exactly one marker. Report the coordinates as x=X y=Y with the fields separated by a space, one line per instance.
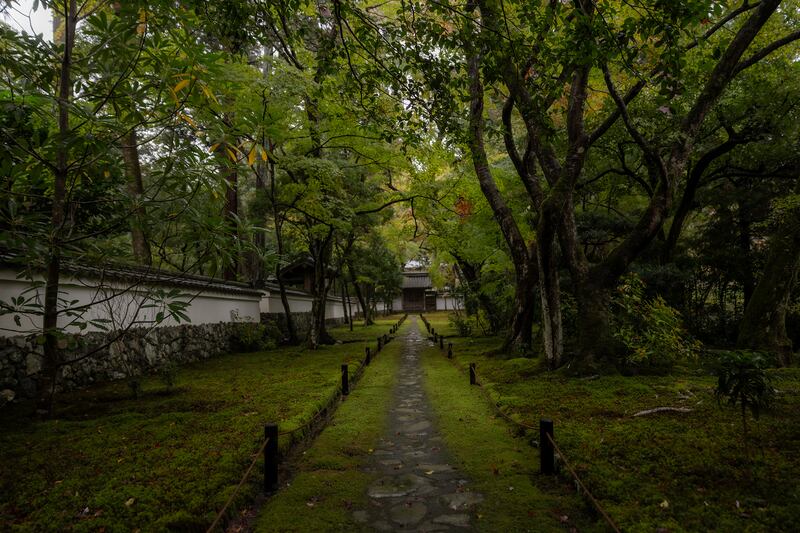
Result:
x=135 y=386
x=168 y=372
x=461 y=323
x=651 y=330
x=253 y=337
x=742 y=380
x=273 y=334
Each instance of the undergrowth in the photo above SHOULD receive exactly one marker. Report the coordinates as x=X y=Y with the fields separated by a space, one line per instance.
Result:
x=660 y=472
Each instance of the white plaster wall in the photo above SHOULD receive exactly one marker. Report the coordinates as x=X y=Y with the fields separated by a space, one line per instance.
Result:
x=334 y=309
x=123 y=303
x=271 y=303
x=447 y=303
x=301 y=303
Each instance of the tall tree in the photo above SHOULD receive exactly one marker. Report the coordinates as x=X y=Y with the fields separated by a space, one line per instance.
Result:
x=763 y=326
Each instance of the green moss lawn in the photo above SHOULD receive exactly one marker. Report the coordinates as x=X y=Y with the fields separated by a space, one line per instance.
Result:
x=168 y=460
x=328 y=482
x=663 y=472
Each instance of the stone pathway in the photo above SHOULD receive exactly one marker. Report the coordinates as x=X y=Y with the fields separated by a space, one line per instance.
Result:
x=417 y=488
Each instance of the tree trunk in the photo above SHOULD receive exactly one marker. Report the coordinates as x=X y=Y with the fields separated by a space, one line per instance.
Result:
x=747 y=275
x=550 y=297
x=519 y=338
x=596 y=344
x=349 y=309
x=291 y=330
x=133 y=174
x=230 y=214
x=763 y=325
x=471 y=279
x=278 y=220
x=689 y=192
x=362 y=302
x=255 y=267
x=320 y=252
x=344 y=305
x=52 y=354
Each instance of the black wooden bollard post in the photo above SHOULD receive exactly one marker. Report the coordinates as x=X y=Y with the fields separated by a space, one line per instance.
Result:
x=368 y=357
x=380 y=343
x=449 y=350
x=345 y=381
x=271 y=458
x=547 y=461
x=472 y=378
x=441 y=342
x=385 y=339
x=433 y=332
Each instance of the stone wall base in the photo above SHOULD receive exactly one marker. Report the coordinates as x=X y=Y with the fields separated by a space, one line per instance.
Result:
x=97 y=357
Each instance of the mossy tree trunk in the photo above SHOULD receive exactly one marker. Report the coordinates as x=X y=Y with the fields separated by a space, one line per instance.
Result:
x=763 y=326
x=320 y=249
x=52 y=353
x=133 y=176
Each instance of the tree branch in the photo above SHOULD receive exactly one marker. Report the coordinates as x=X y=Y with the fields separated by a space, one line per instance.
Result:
x=764 y=52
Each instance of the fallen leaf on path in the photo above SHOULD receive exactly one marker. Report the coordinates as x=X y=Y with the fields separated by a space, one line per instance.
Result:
x=130 y=502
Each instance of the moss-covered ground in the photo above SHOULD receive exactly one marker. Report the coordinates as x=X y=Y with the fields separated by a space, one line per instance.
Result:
x=662 y=472
x=328 y=482
x=501 y=467
x=169 y=459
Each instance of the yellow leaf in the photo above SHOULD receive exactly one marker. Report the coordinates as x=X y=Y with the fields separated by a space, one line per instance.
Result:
x=208 y=93
x=251 y=157
x=263 y=155
x=188 y=120
x=181 y=85
x=231 y=155
x=106 y=173
x=213 y=148
x=140 y=28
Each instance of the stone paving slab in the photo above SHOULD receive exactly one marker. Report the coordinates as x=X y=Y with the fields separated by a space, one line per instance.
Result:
x=418 y=488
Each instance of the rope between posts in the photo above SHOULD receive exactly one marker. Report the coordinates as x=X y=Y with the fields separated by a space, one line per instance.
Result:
x=238 y=487
x=563 y=457
x=497 y=408
x=356 y=377
x=491 y=401
x=581 y=485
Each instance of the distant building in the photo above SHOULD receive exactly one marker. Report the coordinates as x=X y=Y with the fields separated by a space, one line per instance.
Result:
x=419 y=294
